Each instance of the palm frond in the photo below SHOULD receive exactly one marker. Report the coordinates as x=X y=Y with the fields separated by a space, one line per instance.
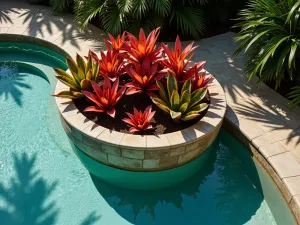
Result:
x=161 y=7
x=151 y=21
x=270 y=39
x=124 y=5
x=201 y=2
x=113 y=20
x=85 y=10
x=59 y=6
x=139 y=8
x=189 y=20
x=295 y=97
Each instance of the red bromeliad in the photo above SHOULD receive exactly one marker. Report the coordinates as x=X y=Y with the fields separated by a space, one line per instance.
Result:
x=201 y=81
x=111 y=64
x=116 y=44
x=138 y=50
x=144 y=77
x=105 y=98
x=139 y=121
x=177 y=61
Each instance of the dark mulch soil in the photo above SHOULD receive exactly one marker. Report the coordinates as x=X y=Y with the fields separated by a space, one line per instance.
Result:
x=162 y=123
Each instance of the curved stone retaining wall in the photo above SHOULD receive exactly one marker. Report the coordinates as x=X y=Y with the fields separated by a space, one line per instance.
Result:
x=143 y=153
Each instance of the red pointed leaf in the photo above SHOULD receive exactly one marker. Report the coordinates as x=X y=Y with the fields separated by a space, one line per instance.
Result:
x=133 y=129
x=92 y=97
x=93 y=109
x=111 y=112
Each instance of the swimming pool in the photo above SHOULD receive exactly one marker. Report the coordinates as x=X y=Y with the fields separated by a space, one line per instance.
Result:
x=43 y=182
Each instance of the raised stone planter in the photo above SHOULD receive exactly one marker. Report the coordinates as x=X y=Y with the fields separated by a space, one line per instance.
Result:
x=148 y=152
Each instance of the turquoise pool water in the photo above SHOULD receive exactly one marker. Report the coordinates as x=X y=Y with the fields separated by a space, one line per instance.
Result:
x=42 y=182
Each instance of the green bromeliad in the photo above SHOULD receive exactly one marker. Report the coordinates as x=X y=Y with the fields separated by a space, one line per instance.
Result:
x=82 y=73
x=180 y=104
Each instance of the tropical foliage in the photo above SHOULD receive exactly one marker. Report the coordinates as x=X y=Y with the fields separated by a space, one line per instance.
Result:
x=106 y=97
x=177 y=61
x=115 y=44
x=82 y=73
x=144 y=47
x=111 y=63
x=270 y=38
x=201 y=80
x=139 y=121
x=185 y=17
x=175 y=89
x=131 y=15
x=180 y=104
x=144 y=77
x=116 y=16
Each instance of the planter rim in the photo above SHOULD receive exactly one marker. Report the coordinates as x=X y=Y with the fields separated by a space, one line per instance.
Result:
x=207 y=124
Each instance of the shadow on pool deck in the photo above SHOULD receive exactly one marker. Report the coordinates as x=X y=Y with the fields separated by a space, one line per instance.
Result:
x=39 y=21
x=4 y=15
x=26 y=200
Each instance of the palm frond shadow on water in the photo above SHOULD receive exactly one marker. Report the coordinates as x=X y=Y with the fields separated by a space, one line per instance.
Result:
x=228 y=196
x=13 y=81
x=26 y=199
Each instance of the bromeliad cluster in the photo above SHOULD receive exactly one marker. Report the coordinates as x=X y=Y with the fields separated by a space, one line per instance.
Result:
x=136 y=66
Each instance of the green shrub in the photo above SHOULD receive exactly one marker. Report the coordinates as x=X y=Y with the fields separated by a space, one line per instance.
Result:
x=183 y=17
x=61 y=5
x=270 y=39
x=131 y=15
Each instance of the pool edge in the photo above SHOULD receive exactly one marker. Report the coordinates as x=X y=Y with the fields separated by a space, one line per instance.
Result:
x=257 y=155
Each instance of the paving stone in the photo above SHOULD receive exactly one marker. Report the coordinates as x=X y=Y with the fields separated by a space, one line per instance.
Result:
x=157 y=154
x=168 y=162
x=177 y=151
x=125 y=162
x=293 y=145
x=186 y=157
x=250 y=128
x=3 y=30
x=295 y=205
x=133 y=154
x=192 y=146
x=110 y=136
x=157 y=142
x=285 y=165
x=291 y=187
x=178 y=138
x=133 y=141
x=272 y=149
x=150 y=163
x=111 y=150
x=273 y=136
x=17 y=30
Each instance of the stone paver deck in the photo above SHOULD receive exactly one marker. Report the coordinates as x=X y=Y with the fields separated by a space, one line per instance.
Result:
x=257 y=115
